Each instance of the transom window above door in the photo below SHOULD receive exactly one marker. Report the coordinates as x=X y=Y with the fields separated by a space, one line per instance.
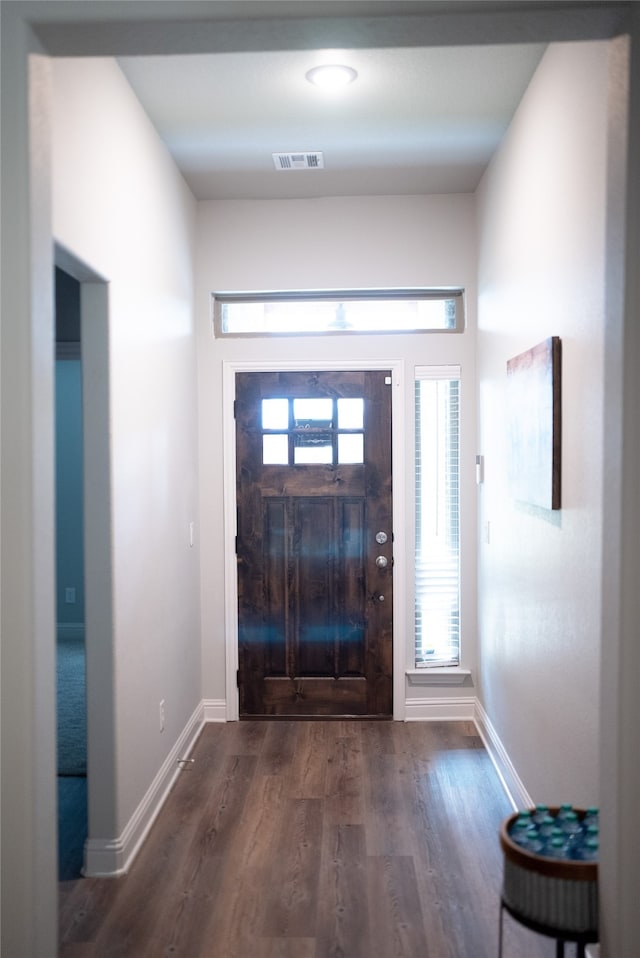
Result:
x=310 y=312
x=312 y=431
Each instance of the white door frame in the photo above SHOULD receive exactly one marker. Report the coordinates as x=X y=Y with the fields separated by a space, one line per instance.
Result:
x=98 y=557
x=229 y=370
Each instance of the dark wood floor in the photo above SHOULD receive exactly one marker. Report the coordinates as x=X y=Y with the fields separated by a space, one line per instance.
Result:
x=310 y=839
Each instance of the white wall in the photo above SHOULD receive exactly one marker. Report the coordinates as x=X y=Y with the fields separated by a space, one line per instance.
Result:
x=620 y=716
x=28 y=820
x=542 y=208
x=331 y=243
x=121 y=208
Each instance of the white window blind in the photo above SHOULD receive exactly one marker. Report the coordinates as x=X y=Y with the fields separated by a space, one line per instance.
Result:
x=437 y=559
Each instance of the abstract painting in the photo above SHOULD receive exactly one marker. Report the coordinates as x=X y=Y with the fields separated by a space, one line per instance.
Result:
x=534 y=416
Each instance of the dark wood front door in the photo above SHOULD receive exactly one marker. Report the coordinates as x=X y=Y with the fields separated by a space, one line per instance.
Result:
x=314 y=546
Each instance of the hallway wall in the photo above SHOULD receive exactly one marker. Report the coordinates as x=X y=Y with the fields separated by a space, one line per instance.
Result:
x=121 y=207
x=542 y=211
x=334 y=243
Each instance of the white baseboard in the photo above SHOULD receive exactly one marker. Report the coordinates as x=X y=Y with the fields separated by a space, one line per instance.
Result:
x=469 y=708
x=108 y=858
x=511 y=781
x=439 y=709
x=214 y=710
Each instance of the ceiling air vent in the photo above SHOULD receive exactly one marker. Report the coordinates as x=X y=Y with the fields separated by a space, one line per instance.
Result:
x=298 y=161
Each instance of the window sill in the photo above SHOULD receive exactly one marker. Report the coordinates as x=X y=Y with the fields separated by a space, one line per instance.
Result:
x=450 y=676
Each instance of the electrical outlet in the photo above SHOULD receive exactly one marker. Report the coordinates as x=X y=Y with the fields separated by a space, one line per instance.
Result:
x=161 y=715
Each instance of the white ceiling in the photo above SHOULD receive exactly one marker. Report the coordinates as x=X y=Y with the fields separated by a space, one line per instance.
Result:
x=416 y=120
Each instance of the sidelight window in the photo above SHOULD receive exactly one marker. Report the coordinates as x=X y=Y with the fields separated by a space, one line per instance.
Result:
x=437 y=519
x=312 y=431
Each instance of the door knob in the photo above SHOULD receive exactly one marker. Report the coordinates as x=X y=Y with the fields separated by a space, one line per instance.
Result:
x=382 y=562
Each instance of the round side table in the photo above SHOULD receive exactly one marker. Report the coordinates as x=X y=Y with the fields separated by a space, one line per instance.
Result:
x=554 y=897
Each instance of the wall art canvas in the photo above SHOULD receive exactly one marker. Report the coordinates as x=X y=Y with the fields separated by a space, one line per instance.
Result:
x=534 y=403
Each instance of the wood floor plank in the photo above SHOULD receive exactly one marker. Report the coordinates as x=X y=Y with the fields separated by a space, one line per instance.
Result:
x=344 y=925
x=309 y=761
x=459 y=812
x=462 y=871
x=397 y=922
x=199 y=885
x=246 y=738
x=284 y=948
x=344 y=802
x=378 y=738
x=278 y=747
x=238 y=916
x=85 y=905
x=347 y=839
x=293 y=893
x=79 y=949
x=159 y=885
x=430 y=886
x=389 y=831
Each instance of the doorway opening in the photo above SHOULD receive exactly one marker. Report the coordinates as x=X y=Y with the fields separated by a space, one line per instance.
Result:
x=84 y=324
x=391 y=372
x=71 y=704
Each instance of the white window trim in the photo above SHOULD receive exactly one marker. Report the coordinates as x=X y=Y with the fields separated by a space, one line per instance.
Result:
x=449 y=371
x=449 y=675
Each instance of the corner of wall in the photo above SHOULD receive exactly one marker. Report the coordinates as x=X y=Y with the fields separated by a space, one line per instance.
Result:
x=111 y=857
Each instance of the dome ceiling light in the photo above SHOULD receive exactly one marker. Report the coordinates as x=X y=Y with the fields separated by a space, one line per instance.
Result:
x=331 y=76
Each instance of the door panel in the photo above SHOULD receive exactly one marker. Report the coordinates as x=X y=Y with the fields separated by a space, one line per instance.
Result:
x=314 y=633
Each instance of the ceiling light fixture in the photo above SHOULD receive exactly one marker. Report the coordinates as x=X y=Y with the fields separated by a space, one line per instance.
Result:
x=331 y=76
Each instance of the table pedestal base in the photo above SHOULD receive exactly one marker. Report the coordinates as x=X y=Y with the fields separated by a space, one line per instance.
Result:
x=562 y=936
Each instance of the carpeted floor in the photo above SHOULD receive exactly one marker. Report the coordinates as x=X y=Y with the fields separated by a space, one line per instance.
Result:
x=72 y=826
x=72 y=707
